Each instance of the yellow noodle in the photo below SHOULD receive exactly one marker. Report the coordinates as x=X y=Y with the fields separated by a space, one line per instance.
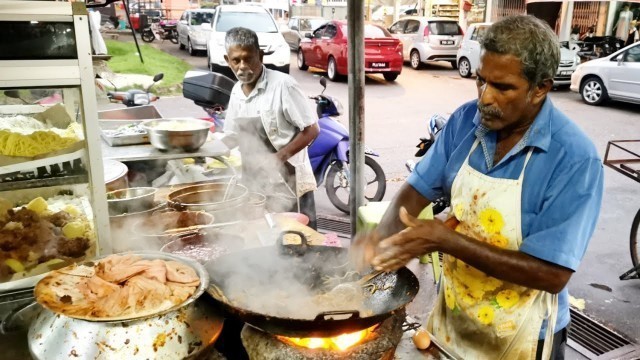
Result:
x=34 y=144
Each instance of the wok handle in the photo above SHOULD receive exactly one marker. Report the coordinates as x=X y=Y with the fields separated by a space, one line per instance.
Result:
x=297 y=249
x=355 y=314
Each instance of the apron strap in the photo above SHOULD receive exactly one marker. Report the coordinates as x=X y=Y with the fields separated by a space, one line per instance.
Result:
x=526 y=161
x=551 y=301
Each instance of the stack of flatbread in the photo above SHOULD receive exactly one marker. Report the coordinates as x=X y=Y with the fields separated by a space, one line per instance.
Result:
x=118 y=287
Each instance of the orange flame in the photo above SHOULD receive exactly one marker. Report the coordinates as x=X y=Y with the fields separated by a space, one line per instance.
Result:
x=340 y=342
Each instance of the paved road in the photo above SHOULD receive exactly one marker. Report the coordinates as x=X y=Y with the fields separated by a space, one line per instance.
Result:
x=396 y=115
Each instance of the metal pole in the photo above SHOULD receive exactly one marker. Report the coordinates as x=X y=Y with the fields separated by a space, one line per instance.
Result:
x=355 y=23
x=133 y=31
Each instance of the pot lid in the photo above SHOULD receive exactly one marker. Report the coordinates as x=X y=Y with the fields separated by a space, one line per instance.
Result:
x=113 y=170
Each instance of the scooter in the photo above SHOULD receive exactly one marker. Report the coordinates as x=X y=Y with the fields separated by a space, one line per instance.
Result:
x=160 y=29
x=134 y=97
x=436 y=124
x=329 y=155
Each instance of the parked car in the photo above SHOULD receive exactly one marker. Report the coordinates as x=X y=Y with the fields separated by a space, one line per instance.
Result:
x=298 y=27
x=326 y=49
x=615 y=77
x=194 y=28
x=255 y=17
x=428 y=39
x=469 y=56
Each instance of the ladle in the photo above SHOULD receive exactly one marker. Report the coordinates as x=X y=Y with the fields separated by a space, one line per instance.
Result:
x=232 y=183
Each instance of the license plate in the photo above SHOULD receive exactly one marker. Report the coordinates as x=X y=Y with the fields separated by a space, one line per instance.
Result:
x=566 y=72
x=378 y=65
x=446 y=42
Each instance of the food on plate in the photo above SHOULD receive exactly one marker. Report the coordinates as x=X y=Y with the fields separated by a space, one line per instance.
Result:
x=27 y=137
x=421 y=339
x=117 y=287
x=126 y=130
x=43 y=235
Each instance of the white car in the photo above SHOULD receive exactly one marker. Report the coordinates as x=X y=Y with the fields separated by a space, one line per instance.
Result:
x=615 y=77
x=194 y=28
x=428 y=39
x=255 y=17
x=468 y=56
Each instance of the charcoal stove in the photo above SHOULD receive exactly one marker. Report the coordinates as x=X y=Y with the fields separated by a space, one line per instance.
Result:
x=379 y=342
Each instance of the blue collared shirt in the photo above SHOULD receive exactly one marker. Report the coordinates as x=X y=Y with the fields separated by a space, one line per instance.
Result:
x=561 y=191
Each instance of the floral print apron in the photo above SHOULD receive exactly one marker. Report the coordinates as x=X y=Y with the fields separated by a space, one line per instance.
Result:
x=476 y=315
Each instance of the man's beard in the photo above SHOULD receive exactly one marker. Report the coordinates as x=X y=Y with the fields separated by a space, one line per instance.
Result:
x=245 y=77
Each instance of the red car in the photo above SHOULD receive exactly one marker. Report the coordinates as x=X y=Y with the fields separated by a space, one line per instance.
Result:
x=326 y=49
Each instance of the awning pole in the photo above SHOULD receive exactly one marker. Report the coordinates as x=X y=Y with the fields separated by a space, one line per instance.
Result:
x=355 y=40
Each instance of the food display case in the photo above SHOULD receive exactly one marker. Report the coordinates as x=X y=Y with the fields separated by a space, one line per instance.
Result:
x=53 y=209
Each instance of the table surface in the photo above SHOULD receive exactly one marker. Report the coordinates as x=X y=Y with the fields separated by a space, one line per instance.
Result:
x=211 y=148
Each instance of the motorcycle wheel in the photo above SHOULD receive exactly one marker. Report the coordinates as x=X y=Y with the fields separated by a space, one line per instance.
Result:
x=337 y=184
x=147 y=36
x=173 y=37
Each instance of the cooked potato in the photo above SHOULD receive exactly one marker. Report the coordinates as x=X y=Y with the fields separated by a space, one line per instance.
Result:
x=38 y=205
x=74 y=230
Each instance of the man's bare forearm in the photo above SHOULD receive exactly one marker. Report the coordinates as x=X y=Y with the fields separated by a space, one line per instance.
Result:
x=299 y=142
x=411 y=200
x=509 y=265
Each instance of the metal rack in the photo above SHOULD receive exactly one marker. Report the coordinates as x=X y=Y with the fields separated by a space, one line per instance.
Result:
x=627 y=164
x=72 y=75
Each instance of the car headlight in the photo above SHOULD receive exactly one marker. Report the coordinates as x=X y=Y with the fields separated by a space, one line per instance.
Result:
x=577 y=59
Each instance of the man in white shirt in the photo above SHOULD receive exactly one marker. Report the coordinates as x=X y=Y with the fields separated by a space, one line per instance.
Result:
x=272 y=122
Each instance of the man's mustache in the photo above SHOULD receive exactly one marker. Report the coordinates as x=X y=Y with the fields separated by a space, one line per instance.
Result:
x=489 y=111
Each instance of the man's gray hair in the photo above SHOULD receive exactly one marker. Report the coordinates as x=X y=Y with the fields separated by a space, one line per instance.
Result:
x=529 y=39
x=243 y=37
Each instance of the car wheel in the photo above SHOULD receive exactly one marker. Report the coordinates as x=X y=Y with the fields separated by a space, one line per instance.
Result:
x=454 y=64
x=416 y=63
x=464 y=68
x=190 y=49
x=391 y=76
x=301 y=64
x=593 y=91
x=332 y=70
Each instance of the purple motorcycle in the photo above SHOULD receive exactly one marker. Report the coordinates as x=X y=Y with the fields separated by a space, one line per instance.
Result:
x=329 y=155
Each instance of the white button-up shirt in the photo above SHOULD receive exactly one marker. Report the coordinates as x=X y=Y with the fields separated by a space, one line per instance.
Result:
x=284 y=110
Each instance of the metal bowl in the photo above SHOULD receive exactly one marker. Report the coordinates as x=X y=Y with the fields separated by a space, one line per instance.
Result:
x=180 y=332
x=131 y=200
x=186 y=134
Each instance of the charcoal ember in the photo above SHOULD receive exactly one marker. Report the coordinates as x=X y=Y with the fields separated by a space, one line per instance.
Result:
x=381 y=345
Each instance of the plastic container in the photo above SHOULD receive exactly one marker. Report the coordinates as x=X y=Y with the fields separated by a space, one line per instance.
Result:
x=209 y=89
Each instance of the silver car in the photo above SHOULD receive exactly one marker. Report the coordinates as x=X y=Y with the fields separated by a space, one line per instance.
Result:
x=297 y=28
x=428 y=39
x=194 y=28
x=615 y=77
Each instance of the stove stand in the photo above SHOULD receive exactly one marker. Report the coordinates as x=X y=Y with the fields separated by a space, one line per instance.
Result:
x=380 y=344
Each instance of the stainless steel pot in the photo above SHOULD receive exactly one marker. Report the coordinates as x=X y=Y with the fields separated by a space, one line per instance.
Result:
x=177 y=333
x=208 y=197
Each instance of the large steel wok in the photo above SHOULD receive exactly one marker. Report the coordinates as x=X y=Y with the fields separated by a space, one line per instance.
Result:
x=287 y=270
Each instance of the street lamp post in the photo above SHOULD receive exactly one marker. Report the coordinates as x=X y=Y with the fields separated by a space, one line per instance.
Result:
x=355 y=41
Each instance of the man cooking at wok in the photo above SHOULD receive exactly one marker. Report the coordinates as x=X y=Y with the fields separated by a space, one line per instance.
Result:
x=525 y=185
x=273 y=122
